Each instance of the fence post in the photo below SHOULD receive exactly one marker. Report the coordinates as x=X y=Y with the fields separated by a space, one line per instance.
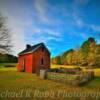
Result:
x=43 y=74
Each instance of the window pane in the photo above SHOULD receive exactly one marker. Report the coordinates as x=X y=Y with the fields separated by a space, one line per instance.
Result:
x=42 y=61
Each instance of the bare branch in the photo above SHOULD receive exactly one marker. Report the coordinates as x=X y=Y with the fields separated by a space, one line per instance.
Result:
x=5 y=39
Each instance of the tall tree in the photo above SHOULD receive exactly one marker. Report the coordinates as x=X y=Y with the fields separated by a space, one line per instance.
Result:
x=64 y=57
x=69 y=57
x=56 y=60
x=5 y=43
x=97 y=55
x=92 y=54
x=85 y=50
x=75 y=58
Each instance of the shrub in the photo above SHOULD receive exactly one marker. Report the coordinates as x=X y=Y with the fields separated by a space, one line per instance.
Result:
x=56 y=70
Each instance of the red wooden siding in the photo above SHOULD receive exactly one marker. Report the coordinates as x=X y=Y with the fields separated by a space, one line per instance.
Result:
x=37 y=56
x=28 y=63
x=39 y=59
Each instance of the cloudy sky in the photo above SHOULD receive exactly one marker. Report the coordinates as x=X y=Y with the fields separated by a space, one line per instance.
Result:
x=60 y=24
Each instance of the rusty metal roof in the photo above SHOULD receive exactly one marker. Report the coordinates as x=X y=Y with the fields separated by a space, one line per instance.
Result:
x=32 y=49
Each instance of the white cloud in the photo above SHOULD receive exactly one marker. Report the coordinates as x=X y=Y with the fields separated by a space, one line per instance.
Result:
x=44 y=32
x=77 y=16
x=47 y=31
x=47 y=14
x=16 y=22
x=22 y=17
x=95 y=27
x=80 y=3
x=41 y=6
x=81 y=23
x=45 y=35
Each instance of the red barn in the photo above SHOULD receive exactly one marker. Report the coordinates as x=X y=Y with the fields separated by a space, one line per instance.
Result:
x=34 y=58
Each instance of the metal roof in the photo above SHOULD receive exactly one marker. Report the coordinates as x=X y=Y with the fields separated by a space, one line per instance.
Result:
x=32 y=49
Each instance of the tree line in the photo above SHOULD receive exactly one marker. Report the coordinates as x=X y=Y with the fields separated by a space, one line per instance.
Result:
x=87 y=55
x=7 y=58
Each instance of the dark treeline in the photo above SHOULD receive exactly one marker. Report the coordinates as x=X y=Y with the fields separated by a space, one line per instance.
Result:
x=7 y=58
x=87 y=55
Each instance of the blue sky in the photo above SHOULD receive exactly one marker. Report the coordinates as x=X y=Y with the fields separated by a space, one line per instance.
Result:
x=60 y=24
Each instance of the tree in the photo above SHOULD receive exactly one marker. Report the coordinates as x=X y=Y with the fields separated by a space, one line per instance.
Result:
x=75 y=57
x=64 y=57
x=87 y=55
x=56 y=60
x=5 y=43
x=85 y=51
x=7 y=58
x=97 y=55
x=92 y=54
x=69 y=57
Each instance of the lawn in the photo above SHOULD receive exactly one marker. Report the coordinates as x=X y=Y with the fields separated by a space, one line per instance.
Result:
x=7 y=64
x=20 y=86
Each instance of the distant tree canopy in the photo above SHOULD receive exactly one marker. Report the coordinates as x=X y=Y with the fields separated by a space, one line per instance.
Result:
x=6 y=58
x=88 y=54
x=5 y=38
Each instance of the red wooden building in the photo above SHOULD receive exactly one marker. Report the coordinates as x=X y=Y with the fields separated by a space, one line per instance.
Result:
x=34 y=58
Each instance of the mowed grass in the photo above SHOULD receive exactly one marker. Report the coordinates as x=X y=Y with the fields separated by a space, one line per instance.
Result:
x=3 y=65
x=11 y=80
x=6 y=64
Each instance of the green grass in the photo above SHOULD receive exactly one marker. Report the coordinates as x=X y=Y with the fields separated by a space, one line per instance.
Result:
x=11 y=80
x=3 y=68
x=5 y=64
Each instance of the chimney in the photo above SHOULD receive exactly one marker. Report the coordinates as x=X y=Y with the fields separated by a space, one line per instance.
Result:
x=28 y=46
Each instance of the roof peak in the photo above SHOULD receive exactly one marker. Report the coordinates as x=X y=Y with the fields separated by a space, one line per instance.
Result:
x=31 y=48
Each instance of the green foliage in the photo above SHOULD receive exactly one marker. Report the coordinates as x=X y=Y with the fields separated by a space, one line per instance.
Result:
x=7 y=58
x=66 y=57
x=97 y=55
x=86 y=51
x=88 y=54
x=56 y=60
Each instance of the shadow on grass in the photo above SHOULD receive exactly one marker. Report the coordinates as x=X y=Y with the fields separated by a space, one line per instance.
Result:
x=94 y=82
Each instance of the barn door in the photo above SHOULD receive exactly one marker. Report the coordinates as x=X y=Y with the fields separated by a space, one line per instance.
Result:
x=23 y=64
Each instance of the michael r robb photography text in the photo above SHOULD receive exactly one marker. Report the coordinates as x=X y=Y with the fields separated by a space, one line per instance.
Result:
x=29 y=93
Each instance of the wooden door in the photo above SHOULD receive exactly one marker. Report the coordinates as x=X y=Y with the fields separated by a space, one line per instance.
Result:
x=23 y=64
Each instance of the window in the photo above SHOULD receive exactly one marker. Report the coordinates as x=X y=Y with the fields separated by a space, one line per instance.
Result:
x=42 y=49
x=42 y=62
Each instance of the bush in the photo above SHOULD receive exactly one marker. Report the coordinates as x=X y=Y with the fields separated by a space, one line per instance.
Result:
x=78 y=68
x=56 y=70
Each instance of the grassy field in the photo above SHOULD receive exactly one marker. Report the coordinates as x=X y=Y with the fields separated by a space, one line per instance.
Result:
x=7 y=64
x=21 y=86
